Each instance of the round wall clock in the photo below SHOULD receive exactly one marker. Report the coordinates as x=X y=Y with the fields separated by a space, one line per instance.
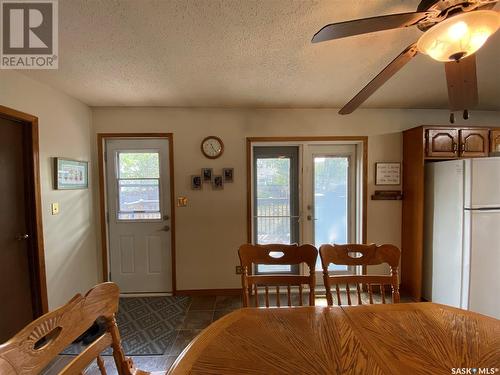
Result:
x=212 y=147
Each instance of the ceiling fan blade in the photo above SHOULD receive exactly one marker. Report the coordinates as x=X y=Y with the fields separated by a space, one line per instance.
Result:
x=391 y=69
x=462 y=83
x=367 y=25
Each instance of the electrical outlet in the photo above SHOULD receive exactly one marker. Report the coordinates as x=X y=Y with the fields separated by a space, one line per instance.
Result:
x=54 y=208
x=239 y=270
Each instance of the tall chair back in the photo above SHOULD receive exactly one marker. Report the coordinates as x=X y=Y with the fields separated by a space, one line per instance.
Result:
x=360 y=255
x=36 y=345
x=276 y=254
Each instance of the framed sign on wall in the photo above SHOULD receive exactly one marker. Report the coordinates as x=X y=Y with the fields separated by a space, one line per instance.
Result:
x=387 y=173
x=70 y=174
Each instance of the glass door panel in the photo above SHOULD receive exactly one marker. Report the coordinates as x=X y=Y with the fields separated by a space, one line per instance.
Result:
x=331 y=203
x=275 y=200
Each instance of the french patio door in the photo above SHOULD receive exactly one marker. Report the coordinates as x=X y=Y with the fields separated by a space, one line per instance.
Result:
x=138 y=191
x=305 y=193
x=329 y=198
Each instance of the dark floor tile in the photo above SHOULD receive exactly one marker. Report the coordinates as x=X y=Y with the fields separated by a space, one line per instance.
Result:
x=184 y=337
x=406 y=299
x=109 y=364
x=198 y=319
x=153 y=363
x=57 y=364
x=169 y=361
x=202 y=303
x=228 y=302
x=220 y=313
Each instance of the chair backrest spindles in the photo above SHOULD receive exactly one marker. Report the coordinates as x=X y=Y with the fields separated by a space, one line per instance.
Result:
x=277 y=254
x=361 y=255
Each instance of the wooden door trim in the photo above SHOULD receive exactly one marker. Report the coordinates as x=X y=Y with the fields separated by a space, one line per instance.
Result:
x=361 y=139
x=101 y=138
x=36 y=245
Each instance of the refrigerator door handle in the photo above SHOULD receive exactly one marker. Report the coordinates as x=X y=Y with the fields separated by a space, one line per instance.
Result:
x=485 y=209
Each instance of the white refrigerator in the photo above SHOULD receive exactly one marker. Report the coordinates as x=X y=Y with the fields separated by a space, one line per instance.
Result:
x=462 y=234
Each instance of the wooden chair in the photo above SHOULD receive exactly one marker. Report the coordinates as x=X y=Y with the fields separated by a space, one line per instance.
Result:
x=35 y=346
x=288 y=255
x=360 y=255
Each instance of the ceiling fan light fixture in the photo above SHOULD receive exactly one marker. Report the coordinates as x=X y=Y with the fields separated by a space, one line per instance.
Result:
x=459 y=36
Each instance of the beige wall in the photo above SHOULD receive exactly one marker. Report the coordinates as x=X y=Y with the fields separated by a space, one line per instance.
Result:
x=213 y=225
x=64 y=127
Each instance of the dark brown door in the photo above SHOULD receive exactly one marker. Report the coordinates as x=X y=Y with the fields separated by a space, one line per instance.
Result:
x=16 y=304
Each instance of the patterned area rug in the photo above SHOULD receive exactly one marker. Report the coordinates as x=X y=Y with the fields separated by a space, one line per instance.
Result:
x=147 y=324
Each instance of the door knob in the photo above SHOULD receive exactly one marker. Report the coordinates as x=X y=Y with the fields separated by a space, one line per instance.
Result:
x=166 y=217
x=22 y=237
x=166 y=228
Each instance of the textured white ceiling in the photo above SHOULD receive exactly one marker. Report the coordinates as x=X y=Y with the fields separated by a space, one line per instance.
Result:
x=243 y=53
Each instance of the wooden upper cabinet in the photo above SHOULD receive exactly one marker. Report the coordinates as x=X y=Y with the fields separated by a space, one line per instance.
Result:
x=442 y=143
x=495 y=141
x=474 y=142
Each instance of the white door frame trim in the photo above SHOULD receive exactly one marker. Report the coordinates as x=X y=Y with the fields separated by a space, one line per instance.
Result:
x=103 y=209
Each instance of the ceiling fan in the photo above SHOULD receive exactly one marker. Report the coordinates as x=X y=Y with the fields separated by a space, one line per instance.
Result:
x=453 y=31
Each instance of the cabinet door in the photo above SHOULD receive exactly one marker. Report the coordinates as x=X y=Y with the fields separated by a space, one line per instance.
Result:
x=474 y=142
x=495 y=141
x=442 y=143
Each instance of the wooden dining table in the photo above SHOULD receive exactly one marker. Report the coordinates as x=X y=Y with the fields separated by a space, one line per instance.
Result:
x=406 y=338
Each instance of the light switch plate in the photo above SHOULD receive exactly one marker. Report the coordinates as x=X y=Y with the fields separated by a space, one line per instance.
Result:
x=54 y=208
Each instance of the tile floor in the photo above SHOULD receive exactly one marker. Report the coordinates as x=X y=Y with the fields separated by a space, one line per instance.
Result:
x=202 y=311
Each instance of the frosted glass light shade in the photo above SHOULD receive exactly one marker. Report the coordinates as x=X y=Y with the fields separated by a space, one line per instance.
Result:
x=459 y=36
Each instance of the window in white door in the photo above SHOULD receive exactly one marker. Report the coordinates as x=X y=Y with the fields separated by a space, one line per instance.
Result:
x=138 y=185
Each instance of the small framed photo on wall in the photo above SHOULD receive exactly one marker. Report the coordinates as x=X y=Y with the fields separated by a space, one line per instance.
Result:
x=228 y=174
x=388 y=173
x=207 y=174
x=218 y=183
x=196 y=182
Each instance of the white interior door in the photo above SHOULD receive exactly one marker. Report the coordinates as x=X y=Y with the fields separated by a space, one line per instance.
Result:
x=138 y=191
x=329 y=201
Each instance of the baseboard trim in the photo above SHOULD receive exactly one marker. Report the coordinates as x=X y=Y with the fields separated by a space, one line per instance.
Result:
x=208 y=292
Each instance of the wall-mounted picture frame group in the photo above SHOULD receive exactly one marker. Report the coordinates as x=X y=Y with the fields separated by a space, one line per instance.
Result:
x=70 y=174
x=217 y=181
